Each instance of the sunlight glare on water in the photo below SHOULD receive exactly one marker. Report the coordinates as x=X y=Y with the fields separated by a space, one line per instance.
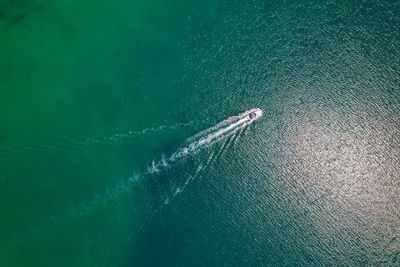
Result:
x=121 y=144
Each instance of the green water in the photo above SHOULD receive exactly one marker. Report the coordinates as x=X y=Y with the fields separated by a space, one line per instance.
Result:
x=91 y=92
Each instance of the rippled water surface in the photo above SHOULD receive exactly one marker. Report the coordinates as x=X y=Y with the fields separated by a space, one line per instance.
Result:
x=100 y=102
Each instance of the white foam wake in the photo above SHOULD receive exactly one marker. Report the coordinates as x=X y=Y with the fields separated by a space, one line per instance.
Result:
x=207 y=137
x=224 y=129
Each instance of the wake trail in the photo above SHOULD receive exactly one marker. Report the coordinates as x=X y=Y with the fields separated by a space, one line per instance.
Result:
x=233 y=139
x=222 y=130
x=207 y=137
x=211 y=159
x=59 y=147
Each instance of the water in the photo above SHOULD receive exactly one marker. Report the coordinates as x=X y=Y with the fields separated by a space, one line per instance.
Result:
x=92 y=94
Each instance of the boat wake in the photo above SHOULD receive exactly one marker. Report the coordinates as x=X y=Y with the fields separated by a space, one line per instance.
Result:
x=61 y=147
x=229 y=129
x=207 y=137
x=226 y=129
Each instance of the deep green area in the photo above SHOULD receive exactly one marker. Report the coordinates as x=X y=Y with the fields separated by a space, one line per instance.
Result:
x=91 y=92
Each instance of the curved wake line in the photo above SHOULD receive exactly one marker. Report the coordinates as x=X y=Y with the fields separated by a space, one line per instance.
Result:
x=60 y=146
x=207 y=137
x=224 y=129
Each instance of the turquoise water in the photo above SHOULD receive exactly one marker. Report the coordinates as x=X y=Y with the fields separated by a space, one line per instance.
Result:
x=93 y=92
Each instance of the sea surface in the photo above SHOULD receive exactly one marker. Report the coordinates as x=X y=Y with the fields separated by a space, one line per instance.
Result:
x=98 y=98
